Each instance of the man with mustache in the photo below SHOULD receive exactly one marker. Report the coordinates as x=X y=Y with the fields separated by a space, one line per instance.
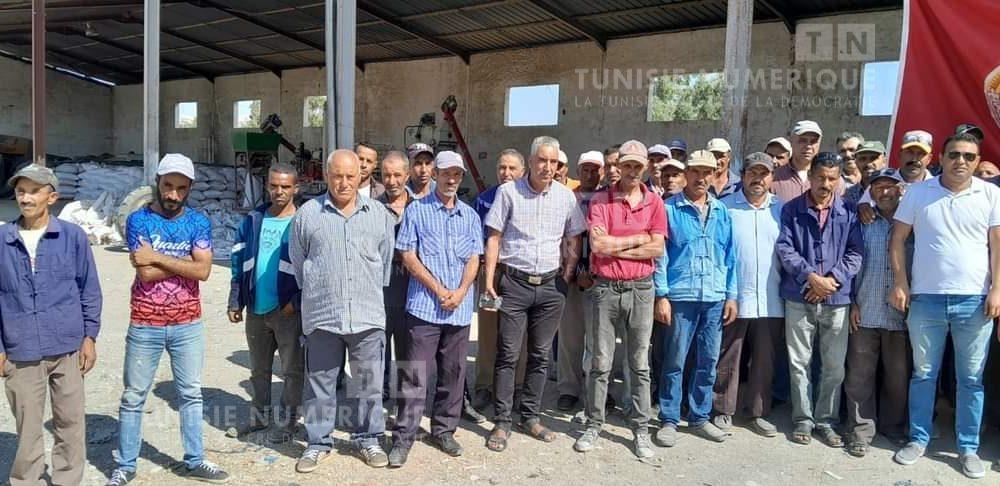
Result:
x=171 y=250
x=369 y=187
x=870 y=158
x=820 y=250
x=263 y=284
x=780 y=149
x=756 y=215
x=878 y=332
x=914 y=158
x=50 y=315
x=672 y=177
x=695 y=283
x=628 y=225
x=723 y=183
x=440 y=242
x=847 y=146
x=657 y=155
x=955 y=289
x=792 y=180
x=421 y=181
x=530 y=222
x=341 y=247
x=611 y=173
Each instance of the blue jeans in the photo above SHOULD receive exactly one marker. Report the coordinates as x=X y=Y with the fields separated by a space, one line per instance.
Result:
x=700 y=324
x=185 y=343
x=930 y=319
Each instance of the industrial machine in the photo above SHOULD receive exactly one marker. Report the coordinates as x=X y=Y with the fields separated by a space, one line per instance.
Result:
x=447 y=137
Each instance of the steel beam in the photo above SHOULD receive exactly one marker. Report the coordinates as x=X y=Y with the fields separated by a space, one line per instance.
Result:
x=600 y=38
x=387 y=17
x=151 y=90
x=38 y=81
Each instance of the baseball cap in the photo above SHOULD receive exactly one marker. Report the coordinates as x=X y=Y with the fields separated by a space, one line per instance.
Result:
x=785 y=144
x=970 y=129
x=563 y=159
x=633 y=150
x=592 y=157
x=702 y=158
x=887 y=172
x=36 y=173
x=677 y=144
x=917 y=138
x=871 y=146
x=672 y=163
x=176 y=164
x=758 y=158
x=718 y=145
x=447 y=159
x=824 y=157
x=806 y=126
x=659 y=149
x=418 y=148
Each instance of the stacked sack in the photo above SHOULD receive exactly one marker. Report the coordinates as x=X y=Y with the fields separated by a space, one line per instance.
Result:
x=214 y=194
x=94 y=179
x=69 y=179
x=95 y=217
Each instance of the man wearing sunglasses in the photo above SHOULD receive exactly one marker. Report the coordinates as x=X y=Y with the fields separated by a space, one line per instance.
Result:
x=955 y=222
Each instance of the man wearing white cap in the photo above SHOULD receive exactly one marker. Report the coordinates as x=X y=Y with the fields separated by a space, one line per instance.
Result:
x=672 y=177
x=562 y=173
x=792 y=180
x=780 y=149
x=657 y=155
x=421 y=181
x=724 y=184
x=571 y=372
x=440 y=240
x=171 y=250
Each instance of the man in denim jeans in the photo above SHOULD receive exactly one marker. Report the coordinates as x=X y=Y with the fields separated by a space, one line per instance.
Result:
x=955 y=221
x=628 y=225
x=820 y=248
x=171 y=250
x=695 y=284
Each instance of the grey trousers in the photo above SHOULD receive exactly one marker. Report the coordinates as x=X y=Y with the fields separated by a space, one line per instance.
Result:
x=803 y=324
x=622 y=309
x=265 y=335
x=323 y=357
x=28 y=383
x=865 y=393
x=572 y=338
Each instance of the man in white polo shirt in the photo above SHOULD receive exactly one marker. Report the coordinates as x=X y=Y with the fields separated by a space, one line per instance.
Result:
x=955 y=221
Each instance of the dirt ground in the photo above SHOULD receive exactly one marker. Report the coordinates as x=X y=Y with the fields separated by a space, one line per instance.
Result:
x=745 y=459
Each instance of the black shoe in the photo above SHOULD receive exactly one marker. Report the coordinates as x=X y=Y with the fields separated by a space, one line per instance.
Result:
x=120 y=477
x=482 y=399
x=471 y=414
x=398 y=455
x=566 y=403
x=283 y=434
x=209 y=473
x=258 y=422
x=447 y=443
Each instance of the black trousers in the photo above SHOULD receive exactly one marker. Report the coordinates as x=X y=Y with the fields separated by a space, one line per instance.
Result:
x=530 y=313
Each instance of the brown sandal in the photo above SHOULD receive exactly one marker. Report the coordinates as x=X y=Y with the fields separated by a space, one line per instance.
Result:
x=497 y=441
x=538 y=431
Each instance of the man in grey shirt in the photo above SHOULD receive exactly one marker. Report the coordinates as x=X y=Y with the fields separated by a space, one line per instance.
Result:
x=341 y=247
x=528 y=223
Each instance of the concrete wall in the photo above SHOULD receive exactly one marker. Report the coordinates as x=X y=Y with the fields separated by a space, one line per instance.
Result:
x=78 y=113
x=593 y=113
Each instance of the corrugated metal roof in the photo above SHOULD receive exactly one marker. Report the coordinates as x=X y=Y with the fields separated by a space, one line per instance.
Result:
x=289 y=33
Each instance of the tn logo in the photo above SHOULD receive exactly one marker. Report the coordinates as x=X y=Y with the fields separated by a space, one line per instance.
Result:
x=822 y=42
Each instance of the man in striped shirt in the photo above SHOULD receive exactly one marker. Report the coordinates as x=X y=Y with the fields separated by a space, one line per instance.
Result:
x=341 y=247
x=529 y=222
x=440 y=241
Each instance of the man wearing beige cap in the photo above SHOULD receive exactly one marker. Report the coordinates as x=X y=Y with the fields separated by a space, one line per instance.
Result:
x=723 y=183
x=572 y=327
x=792 y=180
x=780 y=149
x=50 y=315
x=914 y=158
x=695 y=283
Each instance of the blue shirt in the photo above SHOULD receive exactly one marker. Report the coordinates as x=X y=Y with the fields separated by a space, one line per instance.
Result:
x=758 y=271
x=47 y=312
x=444 y=239
x=699 y=264
x=273 y=233
x=484 y=201
x=874 y=281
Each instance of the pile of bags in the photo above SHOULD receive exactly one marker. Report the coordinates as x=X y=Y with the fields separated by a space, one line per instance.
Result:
x=95 y=217
x=87 y=180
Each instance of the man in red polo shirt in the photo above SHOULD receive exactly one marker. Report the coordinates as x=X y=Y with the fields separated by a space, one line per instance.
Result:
x=628 y=224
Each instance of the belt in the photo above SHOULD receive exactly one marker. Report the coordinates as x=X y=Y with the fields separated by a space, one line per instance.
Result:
x=531 y=279
x=626 y=284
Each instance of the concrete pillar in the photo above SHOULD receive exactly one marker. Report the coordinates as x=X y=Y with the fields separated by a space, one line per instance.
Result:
x=739 y=23
x=38 y=81
x=151 y=90
x=330 y=125
x=347 y=27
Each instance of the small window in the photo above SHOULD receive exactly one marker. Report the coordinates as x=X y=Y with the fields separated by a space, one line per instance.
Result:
x=533 y=106
x=186 y=114
x=686 y=97
x=878 y=88
x=246 y=114
x=314 y=112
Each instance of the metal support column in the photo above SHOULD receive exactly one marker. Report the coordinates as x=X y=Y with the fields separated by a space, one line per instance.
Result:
x=330 y=124
x=151 y=90
x=347 y=27
x=38 y=81
x=739 y=22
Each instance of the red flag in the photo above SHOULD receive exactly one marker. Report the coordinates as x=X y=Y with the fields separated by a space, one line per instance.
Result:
x=950 y=72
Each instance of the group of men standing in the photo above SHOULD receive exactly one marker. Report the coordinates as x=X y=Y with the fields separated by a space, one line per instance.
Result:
x=689 y=264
